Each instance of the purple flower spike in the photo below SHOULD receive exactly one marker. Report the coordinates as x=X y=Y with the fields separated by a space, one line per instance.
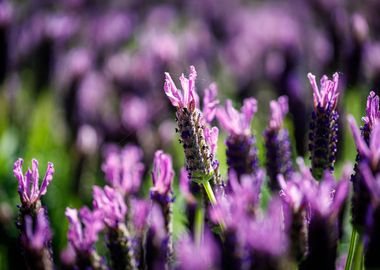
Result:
x=162 y=174
x=202 y=256
x=83 y=228
x=210 y=102
x=111 y=204
x=234 y=122
x=324 y=127
x=37 y=236
x=327 y=96
x=371 y=152
x=28 y=185
x=372 y=110
x=124 y=169
x=185 y=98
x=278 y=110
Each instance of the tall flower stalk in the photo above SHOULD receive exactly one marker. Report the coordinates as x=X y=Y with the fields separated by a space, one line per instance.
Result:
x=277 y=143
x=199 y=161
x=33 y=222
x=162 y=194
x=241 y=143
x=323 y=126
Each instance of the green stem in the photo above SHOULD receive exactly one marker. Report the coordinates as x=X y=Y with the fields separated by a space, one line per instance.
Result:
x=199 y=225
x=350 y=255
x=358 y=255
x=210 y=193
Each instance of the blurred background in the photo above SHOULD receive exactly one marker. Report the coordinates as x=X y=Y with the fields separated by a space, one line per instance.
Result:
x=78 y=76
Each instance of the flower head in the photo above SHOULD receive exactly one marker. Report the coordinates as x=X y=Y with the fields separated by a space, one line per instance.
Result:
x=83 y=228
x=372 y=110
x=210 y=102
x=162 y=174
x=124 y=169
x=28 y=186
x=192 y=255
x=234 y=122
x=37 y=235
x=185 y=98
x=327 y=96
x=111 y=204
x=278 y=110
x=140 y=212
x=370 y=152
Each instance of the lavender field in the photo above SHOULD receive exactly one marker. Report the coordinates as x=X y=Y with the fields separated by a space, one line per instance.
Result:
x=202 y=134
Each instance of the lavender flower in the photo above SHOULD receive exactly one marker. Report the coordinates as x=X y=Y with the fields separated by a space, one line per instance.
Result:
x=277 y=143
x=162 y=193
x=368 y=153
x=28 y=186
x=36 y=241
x=241 y=149
x=124 y=169
x=373 y=217
x=82 y=235
x=324 y=126
x=326 y=199
x=210 y=102
x=193 y=255
x=199 y=162
x=267 y=239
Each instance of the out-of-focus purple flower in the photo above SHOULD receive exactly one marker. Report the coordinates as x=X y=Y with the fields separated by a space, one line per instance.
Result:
x=140 y=210
x=184 y=185
x=277 y=143
x=234 y=122
x=162 y=174
x=278 y=110
x=324 y=126
x=83 y=228
x=28 y=186
x=37 y=235
x=202 y=256
x=373 y=183
x=372 y=110
x=210 y=102
x=135 y=113
x=68 y=256
x=370 y=152
x=211 y=137
x=124 y=169
x=88 y=140
x=6 y=12
x=185 y=98
x=327 y=96
x=111 y=204
x=291 y=192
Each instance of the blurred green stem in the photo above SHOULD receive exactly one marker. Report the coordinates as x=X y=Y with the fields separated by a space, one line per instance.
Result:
x=210 y=193
x=350 y=255
x=199 y=224
x=358 y=255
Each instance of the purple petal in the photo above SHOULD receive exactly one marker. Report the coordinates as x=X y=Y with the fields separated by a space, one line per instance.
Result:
x=47 y=179
x=360 y=143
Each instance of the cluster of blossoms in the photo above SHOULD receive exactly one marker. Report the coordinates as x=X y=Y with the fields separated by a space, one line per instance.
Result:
x=228 y=228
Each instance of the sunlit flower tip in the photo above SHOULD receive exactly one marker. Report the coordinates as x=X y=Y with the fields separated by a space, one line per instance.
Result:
x=234 y=122
x=371 y=152
x=211 y=137
x=124 y=169
x=37 y=235
x=210 y=102
x=193 y=255
x=372 y=110
x=278 y=110
x=185 y=98
x=28 y=185
x=111 y=204
x=291 y=193
x=162 y=174
x=83 y=228
x=326 y=97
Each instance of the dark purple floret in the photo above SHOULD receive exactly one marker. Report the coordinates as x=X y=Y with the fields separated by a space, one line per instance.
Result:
x=324 y=126
x=277 y=143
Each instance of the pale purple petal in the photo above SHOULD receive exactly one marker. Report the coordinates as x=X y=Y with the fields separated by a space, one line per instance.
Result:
x=210 y=102
x=47 y=179
x=278 y=110
x=372 y=110
x=163 y=173
x=211 y=137
x=359 y=141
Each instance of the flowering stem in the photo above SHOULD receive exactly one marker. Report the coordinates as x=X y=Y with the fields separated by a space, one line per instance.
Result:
x=350 y=256
x=199 y=225
x=210 y=193
x=358 y=255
